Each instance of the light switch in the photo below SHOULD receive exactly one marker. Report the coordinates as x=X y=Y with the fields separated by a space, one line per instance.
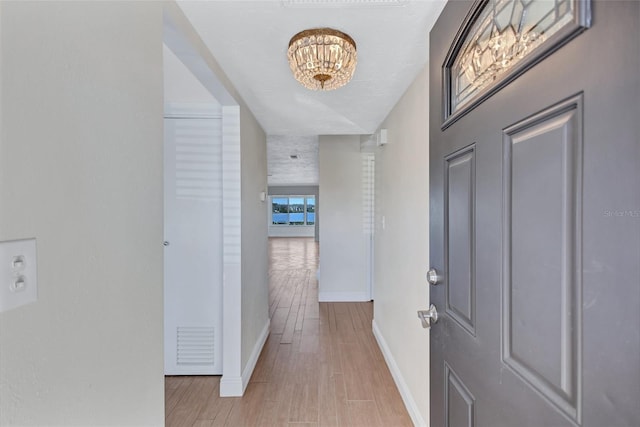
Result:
x=18 y=263
x=18 y=273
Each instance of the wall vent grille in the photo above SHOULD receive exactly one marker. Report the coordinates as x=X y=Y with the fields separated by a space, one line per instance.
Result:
x=195 y=346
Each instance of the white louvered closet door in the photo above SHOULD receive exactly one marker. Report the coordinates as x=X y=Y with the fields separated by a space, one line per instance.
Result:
x=193 y=246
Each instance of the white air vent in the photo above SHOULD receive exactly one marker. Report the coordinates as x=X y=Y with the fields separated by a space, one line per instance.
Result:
x=195 y=346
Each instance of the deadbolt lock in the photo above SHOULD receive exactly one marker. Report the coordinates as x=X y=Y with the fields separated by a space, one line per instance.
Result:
x=433 y=277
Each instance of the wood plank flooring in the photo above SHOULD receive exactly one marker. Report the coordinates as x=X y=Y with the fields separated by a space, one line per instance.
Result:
x=320 y=366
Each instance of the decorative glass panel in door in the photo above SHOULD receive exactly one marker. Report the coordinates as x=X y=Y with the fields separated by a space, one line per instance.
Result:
x=502 y=39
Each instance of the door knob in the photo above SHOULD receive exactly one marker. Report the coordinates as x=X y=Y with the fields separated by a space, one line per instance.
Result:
x=427 y=317
x=433 y=277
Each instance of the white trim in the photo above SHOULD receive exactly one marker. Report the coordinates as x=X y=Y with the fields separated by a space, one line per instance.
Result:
x=255 y=354
x=343 y=296
x=230 y=386
x=231 y=381
x=405 y=393
x=292 y=230
x=236 y=386
x=368 y=217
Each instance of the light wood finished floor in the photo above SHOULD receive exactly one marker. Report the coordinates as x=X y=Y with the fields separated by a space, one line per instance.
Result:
x=321 y=365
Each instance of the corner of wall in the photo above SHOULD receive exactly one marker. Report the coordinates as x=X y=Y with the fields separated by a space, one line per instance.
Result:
x=254 y=236
x=231 y=386
x=255 y=354
x=235 y=385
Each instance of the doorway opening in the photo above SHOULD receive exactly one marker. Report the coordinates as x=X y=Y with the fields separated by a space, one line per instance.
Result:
x=208 y=120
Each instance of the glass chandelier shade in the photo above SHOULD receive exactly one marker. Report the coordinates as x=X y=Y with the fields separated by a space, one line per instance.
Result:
x=322 y=58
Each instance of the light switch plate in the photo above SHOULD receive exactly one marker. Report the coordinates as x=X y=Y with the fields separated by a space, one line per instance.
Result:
x=18 y=273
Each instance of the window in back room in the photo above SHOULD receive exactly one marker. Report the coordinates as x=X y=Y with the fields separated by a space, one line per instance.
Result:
x=293 y=210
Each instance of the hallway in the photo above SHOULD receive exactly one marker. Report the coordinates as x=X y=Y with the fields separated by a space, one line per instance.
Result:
x=321 y=365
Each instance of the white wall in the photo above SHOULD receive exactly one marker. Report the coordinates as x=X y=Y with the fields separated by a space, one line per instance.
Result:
x=343 y=244
x=81 y=171
x=402 y=246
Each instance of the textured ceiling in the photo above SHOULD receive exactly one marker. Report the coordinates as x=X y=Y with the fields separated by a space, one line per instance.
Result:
x=249 y=39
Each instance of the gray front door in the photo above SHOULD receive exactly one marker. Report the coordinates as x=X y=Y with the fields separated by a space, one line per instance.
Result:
x=535 y=232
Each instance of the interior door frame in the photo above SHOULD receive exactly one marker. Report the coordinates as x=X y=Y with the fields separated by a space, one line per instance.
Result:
x=179 y=36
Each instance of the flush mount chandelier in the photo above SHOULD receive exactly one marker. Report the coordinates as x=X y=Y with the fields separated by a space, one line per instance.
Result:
x=322 y=58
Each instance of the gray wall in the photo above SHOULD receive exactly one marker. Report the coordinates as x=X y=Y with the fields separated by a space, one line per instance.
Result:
x=299 y=190
x=255 y=276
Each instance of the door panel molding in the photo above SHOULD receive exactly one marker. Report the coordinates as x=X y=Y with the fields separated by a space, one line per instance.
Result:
x=459 y=402
x=459 y=237
x=542 y=283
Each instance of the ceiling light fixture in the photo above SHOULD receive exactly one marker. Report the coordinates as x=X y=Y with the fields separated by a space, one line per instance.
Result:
x=322 y=58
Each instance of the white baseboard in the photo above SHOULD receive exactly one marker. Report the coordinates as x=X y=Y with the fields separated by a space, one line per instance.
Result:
x=231 y=386
x=343 y=296
x=292 y=231
x=235 y=386
x=255 y=354
x=405 y=393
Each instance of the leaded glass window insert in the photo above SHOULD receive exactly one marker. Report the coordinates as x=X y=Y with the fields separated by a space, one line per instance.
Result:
x=500 y=39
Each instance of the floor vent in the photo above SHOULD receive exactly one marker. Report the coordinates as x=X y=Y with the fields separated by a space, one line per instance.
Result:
x=195 y=346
